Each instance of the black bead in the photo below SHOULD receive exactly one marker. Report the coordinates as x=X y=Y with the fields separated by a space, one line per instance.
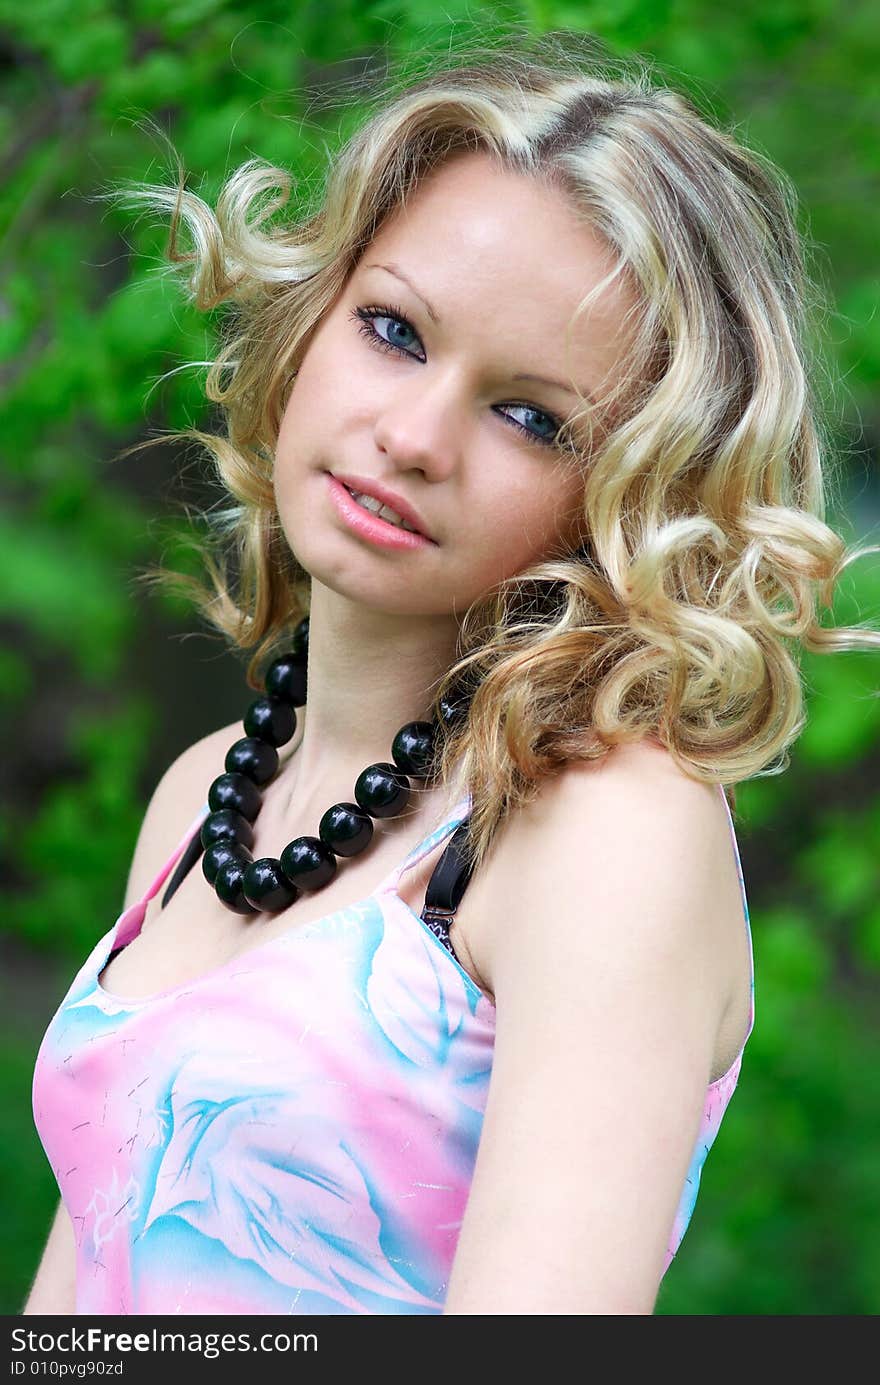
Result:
x=235 y=791
x=219 y=854
x=308 y=862
x=413 y=748
x=227 y=825
x=453 y=708
x=266 y=886
x=286 y=679
x=299 y=645
x=346 y=829
x=255 y=758
x=269 y=719
x=382 y=789
x=227 y=884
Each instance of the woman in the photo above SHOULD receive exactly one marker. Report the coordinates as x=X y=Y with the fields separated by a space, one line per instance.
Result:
x=550 y=319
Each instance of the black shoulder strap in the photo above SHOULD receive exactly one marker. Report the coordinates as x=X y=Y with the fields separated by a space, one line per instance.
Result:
x=447 y=885
x=184 y=866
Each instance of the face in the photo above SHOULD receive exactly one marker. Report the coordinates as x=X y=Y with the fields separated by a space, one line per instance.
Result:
x=426 y=401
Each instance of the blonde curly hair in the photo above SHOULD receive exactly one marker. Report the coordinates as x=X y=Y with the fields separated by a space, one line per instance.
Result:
x=704 y=494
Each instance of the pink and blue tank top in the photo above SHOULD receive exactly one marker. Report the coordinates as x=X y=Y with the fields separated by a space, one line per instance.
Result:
x=293 y=1132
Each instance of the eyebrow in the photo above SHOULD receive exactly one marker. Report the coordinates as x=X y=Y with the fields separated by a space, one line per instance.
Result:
x=435 y=318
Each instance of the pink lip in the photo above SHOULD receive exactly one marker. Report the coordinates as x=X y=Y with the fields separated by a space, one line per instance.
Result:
x=370 y=526
x=367 y=486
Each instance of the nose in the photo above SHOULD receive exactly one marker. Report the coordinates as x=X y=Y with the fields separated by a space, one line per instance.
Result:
x=420 y=428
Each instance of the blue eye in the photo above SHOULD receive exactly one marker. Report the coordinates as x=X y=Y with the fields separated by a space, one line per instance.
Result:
x=365 y=316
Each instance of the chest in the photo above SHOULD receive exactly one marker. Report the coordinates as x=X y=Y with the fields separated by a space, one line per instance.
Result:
x=194 y=933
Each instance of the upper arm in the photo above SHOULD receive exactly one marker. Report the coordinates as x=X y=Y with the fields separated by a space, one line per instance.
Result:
x=54 y=1287
x=609 y=999
x=173 y=805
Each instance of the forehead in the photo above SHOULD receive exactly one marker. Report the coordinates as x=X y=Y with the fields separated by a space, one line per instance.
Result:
x=507 y=258
x=473 y=231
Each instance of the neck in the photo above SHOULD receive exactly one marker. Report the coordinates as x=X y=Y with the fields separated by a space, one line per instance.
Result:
x=369 y=673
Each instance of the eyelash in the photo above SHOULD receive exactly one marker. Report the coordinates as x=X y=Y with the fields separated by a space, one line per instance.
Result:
x=362 y=317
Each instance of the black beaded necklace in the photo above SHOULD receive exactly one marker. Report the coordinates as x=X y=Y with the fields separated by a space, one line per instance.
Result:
x=382 y=790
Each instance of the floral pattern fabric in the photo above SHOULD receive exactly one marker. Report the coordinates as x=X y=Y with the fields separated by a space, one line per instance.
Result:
x=293 y=1132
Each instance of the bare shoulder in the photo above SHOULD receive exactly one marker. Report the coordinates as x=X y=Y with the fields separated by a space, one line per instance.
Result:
x=601 y=840
x=631 y=796
x=174 y=804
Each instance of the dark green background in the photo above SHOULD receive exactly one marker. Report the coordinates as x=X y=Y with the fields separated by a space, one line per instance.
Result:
x=102 y=684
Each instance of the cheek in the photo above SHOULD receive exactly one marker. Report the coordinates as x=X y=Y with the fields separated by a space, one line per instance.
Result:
x=523 y=525
x=284 y=472
x=300 y=451
x=303 y=430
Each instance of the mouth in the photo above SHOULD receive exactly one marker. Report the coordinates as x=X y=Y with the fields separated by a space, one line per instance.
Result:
x=377 y=498
x=375 y=507
x=372 y=519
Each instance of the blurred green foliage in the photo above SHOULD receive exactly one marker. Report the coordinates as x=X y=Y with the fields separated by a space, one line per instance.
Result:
x=787 y=1218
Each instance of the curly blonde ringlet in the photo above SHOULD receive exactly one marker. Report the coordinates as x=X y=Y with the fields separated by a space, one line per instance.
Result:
x=705 y=545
